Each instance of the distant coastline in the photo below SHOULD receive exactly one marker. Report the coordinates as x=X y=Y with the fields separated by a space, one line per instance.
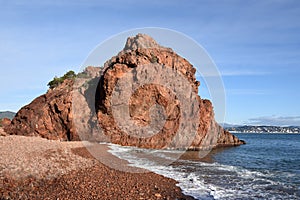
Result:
x=264 y=129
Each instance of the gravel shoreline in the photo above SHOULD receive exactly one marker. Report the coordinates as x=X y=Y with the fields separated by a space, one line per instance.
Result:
x=36 y=168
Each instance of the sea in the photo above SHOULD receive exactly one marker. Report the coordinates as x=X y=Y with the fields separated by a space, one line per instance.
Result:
x=267 y=167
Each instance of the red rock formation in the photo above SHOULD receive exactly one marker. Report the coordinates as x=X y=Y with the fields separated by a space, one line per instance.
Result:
x=58 y=115
x=5 y=122
x=141 y=51
x=51 y=115
x=47 y=116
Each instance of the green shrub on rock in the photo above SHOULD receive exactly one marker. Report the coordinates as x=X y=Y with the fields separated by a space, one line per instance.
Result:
x=57 y=81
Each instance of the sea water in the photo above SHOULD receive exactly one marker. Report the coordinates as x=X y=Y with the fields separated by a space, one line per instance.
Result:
x=267 y=167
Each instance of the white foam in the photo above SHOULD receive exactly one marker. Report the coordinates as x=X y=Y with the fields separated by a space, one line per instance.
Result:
x=205 y=180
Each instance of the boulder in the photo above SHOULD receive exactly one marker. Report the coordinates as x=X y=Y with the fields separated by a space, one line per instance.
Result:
x=5 y=122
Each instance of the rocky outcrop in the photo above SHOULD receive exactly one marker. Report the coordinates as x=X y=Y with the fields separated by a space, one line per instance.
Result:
x=51 y=115
x=5 y=122
x=48 y=116
x=153 y=114
x=141 y=55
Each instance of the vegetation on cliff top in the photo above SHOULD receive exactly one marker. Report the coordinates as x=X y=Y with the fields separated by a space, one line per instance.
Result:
x=59 y=80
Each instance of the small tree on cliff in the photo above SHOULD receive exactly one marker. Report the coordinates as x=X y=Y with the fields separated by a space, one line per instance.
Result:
x=57 y=81
x=69 y=75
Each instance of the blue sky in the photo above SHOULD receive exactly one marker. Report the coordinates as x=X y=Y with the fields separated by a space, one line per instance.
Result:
x=255 y=45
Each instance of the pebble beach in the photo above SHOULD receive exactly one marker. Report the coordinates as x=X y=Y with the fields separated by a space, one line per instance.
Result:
x=36 y=168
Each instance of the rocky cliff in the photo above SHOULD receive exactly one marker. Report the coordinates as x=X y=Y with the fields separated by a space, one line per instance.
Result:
x=146 y=96
x=51 y=115
x=47 y=116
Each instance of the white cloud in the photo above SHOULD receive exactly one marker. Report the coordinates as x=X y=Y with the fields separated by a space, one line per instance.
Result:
x=243 y=73
x=276 y=120
x=222 y=73
x=247 y=92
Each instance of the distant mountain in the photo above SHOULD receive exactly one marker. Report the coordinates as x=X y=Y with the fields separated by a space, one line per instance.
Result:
x=7 y=114
x=263 y=129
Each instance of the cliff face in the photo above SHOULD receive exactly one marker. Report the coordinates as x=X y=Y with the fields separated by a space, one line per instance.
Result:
x=140 y=59
x=47 y=116
x=51 y=115
x=164 y=111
